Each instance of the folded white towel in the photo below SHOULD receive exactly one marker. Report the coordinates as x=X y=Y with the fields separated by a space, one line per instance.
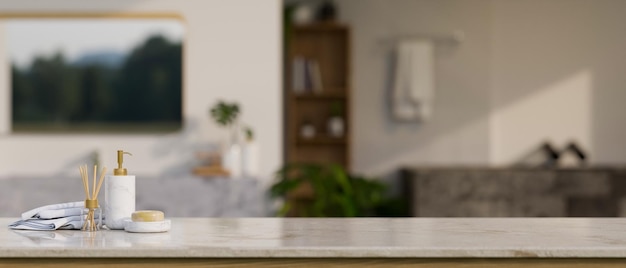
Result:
x=34 y=213
x=52 y=217
x=59 y=213
x=73 y=222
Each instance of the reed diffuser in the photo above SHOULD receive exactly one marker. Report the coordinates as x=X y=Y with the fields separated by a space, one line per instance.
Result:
x=91 y=200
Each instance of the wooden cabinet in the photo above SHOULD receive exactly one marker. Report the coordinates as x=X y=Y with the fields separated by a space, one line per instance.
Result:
x=317 y=87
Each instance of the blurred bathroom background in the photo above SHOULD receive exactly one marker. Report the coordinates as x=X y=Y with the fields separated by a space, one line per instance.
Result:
x=447 y=108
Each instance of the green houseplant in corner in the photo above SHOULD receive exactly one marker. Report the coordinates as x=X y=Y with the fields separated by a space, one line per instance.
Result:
x=335 y=192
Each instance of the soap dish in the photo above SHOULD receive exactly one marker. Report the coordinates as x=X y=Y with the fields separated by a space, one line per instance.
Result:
x=147 y=227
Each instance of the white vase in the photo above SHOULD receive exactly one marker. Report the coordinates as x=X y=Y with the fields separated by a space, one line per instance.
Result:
x=307 y=131
x=250 y=160
x=231 y=160
x=336 y=126
x=231 y=157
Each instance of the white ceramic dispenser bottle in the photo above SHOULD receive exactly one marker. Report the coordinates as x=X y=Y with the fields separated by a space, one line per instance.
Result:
x=119 y=195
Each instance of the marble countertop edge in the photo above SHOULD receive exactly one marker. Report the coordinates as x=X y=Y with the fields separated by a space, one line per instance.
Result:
x=313 y=253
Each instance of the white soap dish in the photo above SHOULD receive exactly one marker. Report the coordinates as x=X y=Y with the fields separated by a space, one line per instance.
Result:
x=147 y=227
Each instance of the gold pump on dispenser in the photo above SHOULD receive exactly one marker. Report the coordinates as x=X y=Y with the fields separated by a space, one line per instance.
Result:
x=120 y=171
x=119 y=195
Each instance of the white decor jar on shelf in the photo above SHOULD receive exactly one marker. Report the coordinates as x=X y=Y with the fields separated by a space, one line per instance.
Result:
x=336 y=125
x=307 y=130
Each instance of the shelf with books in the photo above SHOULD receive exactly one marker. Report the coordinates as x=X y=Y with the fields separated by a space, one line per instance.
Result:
x=317 y=93
x=306 y=75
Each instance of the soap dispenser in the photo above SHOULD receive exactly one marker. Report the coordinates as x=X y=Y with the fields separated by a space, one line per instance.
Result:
x=119 y=195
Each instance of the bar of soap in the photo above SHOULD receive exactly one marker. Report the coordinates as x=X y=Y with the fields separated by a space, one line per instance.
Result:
x=147 y=216
x=147 y=227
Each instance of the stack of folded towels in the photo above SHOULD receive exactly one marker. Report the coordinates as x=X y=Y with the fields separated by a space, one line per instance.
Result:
x=68 y=216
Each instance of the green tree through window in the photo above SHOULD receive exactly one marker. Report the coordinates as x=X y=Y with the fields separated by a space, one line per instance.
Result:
x=140 y=93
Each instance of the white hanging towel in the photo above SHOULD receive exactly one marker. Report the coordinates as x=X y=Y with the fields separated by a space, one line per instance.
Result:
x=414 y=83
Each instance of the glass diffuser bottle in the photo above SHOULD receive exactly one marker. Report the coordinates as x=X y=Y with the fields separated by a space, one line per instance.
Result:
x=92 y=213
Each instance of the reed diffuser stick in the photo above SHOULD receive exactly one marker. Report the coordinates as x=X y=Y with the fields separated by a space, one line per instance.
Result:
x=82 y=176
x=95 y=171
x=91 y=202
x=102 y=172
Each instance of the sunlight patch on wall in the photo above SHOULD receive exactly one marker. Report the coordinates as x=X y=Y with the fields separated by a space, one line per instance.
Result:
x=558 y=113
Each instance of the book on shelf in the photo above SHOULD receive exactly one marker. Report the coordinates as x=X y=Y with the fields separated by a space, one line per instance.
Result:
x=306 y=76
x=315 y=76
x=308 y=82
x=297 y=75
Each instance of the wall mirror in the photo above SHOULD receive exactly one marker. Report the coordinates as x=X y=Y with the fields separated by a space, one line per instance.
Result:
x=103 y=74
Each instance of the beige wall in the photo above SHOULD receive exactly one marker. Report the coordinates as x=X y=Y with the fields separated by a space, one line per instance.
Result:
x=558 y=74
x=458 y=132
x=232 y=52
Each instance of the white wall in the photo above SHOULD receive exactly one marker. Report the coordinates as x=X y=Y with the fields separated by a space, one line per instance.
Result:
x=232 y=52
x=458 y=132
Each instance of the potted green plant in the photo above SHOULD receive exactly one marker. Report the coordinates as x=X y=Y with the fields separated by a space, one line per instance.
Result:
x=225 y=114
x=240 y=157
x=335 y=192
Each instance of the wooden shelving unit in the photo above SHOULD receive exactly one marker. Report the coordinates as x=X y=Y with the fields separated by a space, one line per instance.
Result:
x=328 y=45
x=321 y=140
x=334 y=94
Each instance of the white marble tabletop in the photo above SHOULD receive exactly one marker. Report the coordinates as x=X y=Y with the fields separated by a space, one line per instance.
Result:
x=336 y=237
